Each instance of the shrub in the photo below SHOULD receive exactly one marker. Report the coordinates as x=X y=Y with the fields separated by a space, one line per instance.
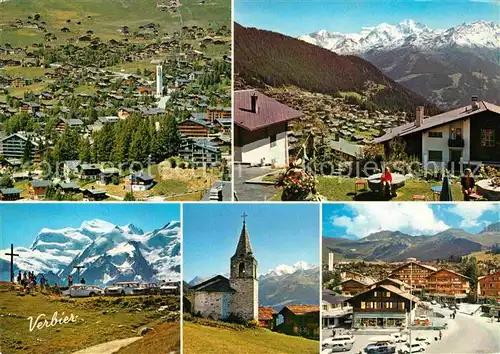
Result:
x=173 y=163
x=182 y=165
x=115 y=180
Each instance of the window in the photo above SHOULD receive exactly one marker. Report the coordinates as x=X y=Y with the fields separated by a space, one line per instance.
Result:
x=273 y=140
x=435 y=155
x=375 y=294
x=242 y=269
x=363 y=305
x=387 y=294
x=402 y=305
x=487 y=138
x=435 y=134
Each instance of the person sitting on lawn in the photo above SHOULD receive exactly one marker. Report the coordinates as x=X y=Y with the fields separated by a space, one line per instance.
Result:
x=468 y=184
x=386 y=182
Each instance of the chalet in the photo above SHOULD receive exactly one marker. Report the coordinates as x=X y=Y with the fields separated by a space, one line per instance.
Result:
x=70 y=169
x=89 y=171
x=94 y=194
x=107 y=120
x=66 y=188
x=193 y=128
x=141 y=181
x=335 y=308
x=224 y=124
x=383 y=306
x=10 y=194
x=351 y=287
x=37 y=188
x=299 y=320
x=71 y=123
x=200 y=152
x=266 y=317
x=468 y=135
x=413 y=273
x=106 y=175
x=445 y=283
x=394 y=282
x=489 y=287
x=345 y=149
x=124 y=113
x=260 y=128
x=151 y=111
x=13 y=146
x=214 y=113
x=221 y=141
x=19 y=82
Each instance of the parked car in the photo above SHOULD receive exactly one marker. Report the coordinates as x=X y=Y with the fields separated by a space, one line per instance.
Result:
x=381 y=344
x=387 y=349
x=329 y=342
x=423 y=340
x=340 y=347
x=147 y=289
x=124 y=288
x=433 y=302
x=82 y=290
x=415 y=348
x=169 y=288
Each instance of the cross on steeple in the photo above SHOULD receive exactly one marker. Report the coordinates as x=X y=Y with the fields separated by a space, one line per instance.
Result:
x=12 y=255
x=244 y=216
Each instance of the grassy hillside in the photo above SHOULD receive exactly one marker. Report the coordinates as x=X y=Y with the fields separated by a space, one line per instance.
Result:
x=199 y=338
x=166 y=336
x=104 y=17
x=99 y=320
x=269 y=58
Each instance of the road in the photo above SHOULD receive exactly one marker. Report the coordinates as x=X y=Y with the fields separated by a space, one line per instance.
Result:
x=108 y=347
x=468 y=334
x=249 y=192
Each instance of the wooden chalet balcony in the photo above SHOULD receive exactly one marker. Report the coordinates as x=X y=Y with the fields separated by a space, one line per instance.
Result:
x=359 y=310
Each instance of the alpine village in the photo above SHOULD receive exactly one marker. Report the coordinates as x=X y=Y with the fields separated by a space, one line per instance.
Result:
x=127 y=101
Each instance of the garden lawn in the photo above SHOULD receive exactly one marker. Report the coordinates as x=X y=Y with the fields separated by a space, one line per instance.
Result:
x=198 y=338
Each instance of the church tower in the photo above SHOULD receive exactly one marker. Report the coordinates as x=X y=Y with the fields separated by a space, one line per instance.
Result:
x=243 y=279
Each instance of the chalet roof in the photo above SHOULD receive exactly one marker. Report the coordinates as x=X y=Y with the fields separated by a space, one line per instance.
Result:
x=364 y=282
x=301 y=309
x=6 y=191
x=417 y=264
x=108 y=119
x=71 y=185
x=196 y=121
x=40 y=183
x=333 y=299
x=390 y=288
x=346 y=147
x=450 y=271
x=437 y=120
x=95 y=191
x=392 y=280
x=20 y=136
x=266 y=313
x=217 y=284
x=268 y=112
x=225 y=121
x=110 y=171
x=243 y=248
x=142 y=176
x=87 y=166
x=73 y=121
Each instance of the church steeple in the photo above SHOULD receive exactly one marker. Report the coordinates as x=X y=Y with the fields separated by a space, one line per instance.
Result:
x=244 y=247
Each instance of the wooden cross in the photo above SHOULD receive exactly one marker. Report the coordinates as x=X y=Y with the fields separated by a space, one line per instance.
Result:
x=12 y=255
x=244 y=216
x=78 y=267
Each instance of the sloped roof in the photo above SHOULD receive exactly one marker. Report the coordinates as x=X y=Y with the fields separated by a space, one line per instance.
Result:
x=437 y=120
x=415 y=263
x=10 y=191
x=269 y=111
x=266 y=313
x=302 y=309
x=450 y=271
x=40 y=183
x=390 y=288
x=217 y=284
x=392 y=280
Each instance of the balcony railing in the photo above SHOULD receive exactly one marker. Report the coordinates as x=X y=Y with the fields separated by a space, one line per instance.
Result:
x=457 y=142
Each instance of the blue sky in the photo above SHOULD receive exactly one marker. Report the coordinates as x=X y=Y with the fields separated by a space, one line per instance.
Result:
x=300 y=17
x=21 y=222
x=279 y=234
x=356 y=220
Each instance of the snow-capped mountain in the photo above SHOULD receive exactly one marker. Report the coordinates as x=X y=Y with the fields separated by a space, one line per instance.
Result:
x=408 y=33
x=446 y=66
x=109 y=253
x=283 y=269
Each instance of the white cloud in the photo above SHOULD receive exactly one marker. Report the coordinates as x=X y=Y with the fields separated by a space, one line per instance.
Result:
x=494 y=2
x=410 y=218
x=472 y=212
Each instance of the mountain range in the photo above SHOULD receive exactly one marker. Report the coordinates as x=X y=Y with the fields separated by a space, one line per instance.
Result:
x=269 y=58
x=445 y=66
x=285 y=285
x=108 y=252
x=397 y=246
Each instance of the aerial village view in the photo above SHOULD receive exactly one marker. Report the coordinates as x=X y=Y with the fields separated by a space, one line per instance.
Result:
x=378 y=101
x=242 y=296
x=426 y=281
x=107 y=100
x=98 y=279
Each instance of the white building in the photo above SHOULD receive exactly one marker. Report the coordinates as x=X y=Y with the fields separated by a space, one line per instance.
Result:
x=159 y=81
x=260 y=128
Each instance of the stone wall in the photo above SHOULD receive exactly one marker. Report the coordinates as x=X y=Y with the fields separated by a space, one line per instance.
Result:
x=214 y=305
x=245 y=303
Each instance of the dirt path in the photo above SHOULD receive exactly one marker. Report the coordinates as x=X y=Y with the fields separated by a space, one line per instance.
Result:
x=108 y=347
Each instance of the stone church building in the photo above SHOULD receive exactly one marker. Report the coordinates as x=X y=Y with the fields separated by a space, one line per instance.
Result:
x=219 y=297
